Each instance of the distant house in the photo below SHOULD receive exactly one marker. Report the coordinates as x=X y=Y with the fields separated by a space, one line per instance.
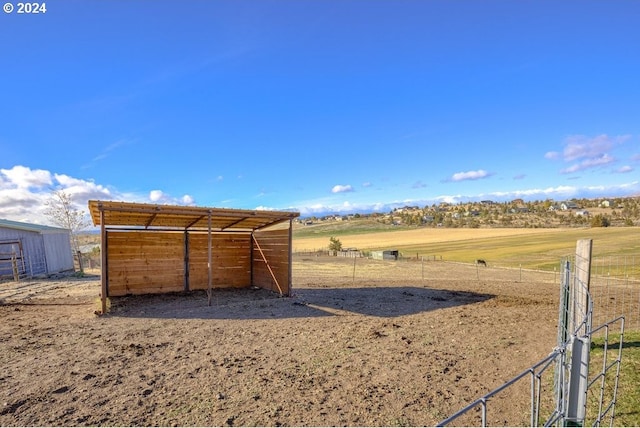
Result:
x=605 y=204
x=349 y=252
x=29 y=250
x=568 y=205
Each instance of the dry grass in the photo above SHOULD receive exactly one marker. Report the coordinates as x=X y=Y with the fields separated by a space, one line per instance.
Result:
x=529 y=248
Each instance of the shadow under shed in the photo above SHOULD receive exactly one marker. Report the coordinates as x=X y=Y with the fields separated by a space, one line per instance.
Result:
x=248 y=303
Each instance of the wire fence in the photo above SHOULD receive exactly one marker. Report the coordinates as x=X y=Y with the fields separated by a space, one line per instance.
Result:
x=601 y=291
x=614 y=281
x=585 y=384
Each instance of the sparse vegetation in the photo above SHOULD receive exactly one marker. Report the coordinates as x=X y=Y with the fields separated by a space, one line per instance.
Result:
x=615 y=212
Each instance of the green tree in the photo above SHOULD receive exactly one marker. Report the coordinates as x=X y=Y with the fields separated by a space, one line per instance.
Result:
x=600 y=220
x=335 y=244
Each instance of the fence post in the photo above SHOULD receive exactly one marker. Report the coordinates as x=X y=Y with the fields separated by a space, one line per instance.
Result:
x=581 y=341
x=578 y=382
x=14 y=265
x=80 y=265
x=353 y=281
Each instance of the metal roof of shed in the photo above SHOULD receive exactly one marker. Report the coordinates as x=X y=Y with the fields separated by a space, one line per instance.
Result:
x=30 y=227
x=150 y=216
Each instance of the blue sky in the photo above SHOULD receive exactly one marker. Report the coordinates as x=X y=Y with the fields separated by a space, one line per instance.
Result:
x=318 y=106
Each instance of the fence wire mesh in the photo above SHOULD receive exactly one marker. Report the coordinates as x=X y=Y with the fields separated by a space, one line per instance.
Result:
x=585 y=383
x=611 y=303
x=615 y=281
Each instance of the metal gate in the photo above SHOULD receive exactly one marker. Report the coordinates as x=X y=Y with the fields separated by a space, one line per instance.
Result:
x=567 y=389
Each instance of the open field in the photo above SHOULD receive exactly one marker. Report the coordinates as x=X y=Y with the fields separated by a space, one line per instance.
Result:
x=530 y=248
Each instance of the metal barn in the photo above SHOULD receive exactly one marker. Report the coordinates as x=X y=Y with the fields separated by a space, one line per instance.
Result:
x=149 y=249
x=28 y=250
x=385 y=255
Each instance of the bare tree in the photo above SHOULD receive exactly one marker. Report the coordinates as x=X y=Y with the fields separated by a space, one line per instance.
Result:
x=61 y=211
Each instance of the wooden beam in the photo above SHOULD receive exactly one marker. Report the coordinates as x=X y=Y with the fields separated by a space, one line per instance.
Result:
x=153 y=217
x=194 y=222
x=290 y=287
x=267 y=263
x=104 y=272
x=209 y=271
x=186 y=261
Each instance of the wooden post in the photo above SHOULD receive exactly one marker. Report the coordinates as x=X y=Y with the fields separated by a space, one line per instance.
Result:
x=581 y=284
x=209 y=273
x=290 y=288
x=186 y=260
x=581 y=336
x=14 y=265
x=353 y=281
x=104 y=270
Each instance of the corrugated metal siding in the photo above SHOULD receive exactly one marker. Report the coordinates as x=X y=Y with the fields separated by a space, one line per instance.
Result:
x=57 y=248
x=39 y=260
x=32 y=248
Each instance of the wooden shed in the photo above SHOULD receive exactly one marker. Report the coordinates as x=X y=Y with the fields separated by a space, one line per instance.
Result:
x=149 y=248
x=28 y=250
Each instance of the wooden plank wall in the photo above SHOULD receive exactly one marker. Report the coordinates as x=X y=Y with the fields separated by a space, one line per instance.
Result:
x=143 y=262
x=231 y=260
x=146 y=262
x=275 y=245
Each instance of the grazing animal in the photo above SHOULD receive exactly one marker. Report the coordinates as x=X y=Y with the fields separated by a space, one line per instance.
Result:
x=481 y=262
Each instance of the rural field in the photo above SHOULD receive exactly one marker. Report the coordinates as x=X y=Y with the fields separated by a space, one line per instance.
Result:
x=384 y=346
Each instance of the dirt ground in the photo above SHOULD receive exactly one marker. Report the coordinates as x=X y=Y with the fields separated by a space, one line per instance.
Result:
x=336 y=353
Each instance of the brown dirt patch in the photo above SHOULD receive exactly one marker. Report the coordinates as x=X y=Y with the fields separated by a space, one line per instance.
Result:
x=366 y=353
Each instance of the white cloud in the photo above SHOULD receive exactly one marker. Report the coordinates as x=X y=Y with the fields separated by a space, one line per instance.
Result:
x=588 y=152
x=624 y=169
x=604 y=159
x=558 y=193
x=187 y=200
x=342 y=188
x=470 y=175
x=156 y=195
x=580 y=146
x=23 y=177
x=24 y=193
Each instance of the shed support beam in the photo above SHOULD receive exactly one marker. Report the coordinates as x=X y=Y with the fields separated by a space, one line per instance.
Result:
x=209 y=272
x=290 y=280
x=187 y=262
x=105 y=268
x=273 y=276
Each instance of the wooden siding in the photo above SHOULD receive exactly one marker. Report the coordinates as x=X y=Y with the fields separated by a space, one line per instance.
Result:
x=141 y=262
x=230 y=260
x=145 y=262
x=275 y=246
